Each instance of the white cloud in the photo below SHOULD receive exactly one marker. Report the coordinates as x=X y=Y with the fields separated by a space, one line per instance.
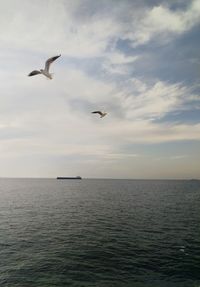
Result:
x=162 y=21
x=178 y=157
x=52 y=119
x=118 y=58
x=119 y=63
x=147 y=132
x=54 y=27
x=143 y=100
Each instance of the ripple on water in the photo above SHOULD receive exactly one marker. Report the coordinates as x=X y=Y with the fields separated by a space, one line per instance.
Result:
x=99 y=233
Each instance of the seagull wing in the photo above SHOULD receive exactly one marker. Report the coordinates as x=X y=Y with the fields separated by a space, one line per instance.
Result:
x=97 y=112
x=33 y=73
x=49 y=61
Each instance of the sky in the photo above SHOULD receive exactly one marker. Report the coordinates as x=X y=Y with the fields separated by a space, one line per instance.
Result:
x=138 y=60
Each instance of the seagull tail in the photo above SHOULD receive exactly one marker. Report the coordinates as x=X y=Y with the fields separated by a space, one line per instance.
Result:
x=50 y=76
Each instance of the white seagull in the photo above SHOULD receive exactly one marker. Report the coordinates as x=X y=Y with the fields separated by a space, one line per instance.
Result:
x=102 y=114
x=45 y=72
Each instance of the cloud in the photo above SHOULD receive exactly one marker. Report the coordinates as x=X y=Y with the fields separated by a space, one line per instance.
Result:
x=52 y=120
x=145 y=100
x=61 y=27
x=118 y=58
x=163 y=22
x=119 y=63
x=147 y=133
x=178 y=157
x=59 y=31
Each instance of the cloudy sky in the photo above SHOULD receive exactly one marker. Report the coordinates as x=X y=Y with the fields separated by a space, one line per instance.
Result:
x=138 y=60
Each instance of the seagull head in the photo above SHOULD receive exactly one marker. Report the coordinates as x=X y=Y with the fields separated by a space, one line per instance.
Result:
x=103 y=114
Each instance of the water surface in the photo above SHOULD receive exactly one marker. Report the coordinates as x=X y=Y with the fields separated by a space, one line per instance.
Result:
x=99 y=233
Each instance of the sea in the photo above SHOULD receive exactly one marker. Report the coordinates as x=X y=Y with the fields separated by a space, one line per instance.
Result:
x=99 y=232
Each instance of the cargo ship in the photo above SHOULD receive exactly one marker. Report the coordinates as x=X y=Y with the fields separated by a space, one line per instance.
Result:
x=69 y=177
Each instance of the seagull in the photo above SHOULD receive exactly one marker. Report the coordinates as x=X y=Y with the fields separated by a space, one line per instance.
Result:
x=102 y=114
x=45 y=72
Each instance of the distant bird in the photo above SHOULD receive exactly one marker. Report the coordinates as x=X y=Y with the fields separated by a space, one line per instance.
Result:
x=102 y=114
x=45 y=72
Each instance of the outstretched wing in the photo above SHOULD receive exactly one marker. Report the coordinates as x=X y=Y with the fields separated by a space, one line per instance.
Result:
x=49 y=61
x=33 y=73
x=97 y=112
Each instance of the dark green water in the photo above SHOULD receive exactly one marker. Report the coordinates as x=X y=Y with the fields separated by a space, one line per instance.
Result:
x=99 y=233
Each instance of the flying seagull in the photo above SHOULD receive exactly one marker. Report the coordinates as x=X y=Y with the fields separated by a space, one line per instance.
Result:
x=45 y=72
x=102 y=114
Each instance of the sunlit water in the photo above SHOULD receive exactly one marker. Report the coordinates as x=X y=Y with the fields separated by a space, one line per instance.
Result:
x=99 y=233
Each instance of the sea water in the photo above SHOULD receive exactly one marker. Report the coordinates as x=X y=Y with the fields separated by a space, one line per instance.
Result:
x=99 y=233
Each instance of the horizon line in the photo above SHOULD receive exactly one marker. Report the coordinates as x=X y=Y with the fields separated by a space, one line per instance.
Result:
x=99 y=178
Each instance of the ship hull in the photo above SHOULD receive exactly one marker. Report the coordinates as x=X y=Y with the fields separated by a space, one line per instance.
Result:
x=65 y=177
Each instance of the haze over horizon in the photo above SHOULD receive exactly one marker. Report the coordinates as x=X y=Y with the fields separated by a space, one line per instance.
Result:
x=137 y=60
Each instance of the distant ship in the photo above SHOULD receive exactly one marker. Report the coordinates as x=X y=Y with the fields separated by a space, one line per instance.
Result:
x=69 y=177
